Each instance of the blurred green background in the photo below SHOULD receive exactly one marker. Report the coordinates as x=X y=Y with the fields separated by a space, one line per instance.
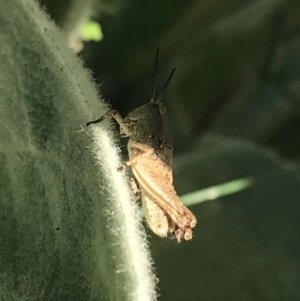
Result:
x=234 y=106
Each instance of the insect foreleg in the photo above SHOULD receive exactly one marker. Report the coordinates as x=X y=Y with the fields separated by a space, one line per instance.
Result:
x=119 y=119
x=108 y=114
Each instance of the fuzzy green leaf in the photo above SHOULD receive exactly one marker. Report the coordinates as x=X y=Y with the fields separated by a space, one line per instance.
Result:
x=69 y=230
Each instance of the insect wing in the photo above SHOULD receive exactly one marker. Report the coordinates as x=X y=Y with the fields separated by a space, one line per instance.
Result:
x=156 y=179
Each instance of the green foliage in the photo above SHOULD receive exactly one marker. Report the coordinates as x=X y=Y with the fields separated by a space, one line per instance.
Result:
x=91 y=31
x=69 y=229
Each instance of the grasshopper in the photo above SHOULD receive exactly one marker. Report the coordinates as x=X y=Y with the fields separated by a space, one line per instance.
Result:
x=150 y=150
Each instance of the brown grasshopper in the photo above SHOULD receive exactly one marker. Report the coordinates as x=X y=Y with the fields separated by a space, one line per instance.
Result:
x=150 y=151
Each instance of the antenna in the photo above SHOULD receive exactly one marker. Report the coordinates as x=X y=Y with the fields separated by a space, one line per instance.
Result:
x=154 y=80
x=160 y=96
x=154 y=75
